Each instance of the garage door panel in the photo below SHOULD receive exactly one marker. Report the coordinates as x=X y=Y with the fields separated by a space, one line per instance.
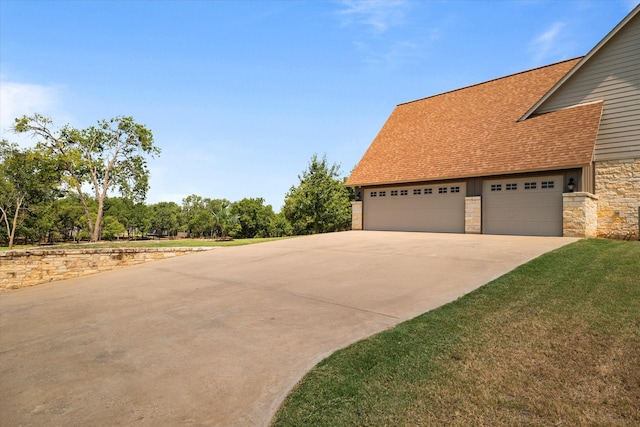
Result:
x=524 y=206
x=420 y=208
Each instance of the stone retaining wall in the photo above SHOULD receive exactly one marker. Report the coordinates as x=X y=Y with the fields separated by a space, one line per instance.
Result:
x=21 y=268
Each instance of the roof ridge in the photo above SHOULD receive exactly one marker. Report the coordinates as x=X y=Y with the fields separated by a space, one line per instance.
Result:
x=489 y=81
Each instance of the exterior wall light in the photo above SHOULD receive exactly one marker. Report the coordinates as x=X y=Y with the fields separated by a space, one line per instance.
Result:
x=571 y=186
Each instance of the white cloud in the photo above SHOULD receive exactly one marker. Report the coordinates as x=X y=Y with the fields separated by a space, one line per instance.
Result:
x=377 y=44
x=549 y=43
x=18 y=99
x=376 y=14
x=393 y=55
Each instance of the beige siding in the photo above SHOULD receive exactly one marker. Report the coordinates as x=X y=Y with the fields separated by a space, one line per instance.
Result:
x=612 y=74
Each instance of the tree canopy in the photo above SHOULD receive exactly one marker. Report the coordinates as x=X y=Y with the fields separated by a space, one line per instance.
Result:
x=88 y=184
x=320 y=202
x=256 y=219
x=110 y=156
x=26 y=179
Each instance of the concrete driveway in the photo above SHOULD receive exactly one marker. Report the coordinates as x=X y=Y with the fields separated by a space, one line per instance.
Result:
x=220 y=337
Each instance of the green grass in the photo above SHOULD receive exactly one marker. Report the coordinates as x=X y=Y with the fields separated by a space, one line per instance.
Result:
x=554 y=342
x=178 y=243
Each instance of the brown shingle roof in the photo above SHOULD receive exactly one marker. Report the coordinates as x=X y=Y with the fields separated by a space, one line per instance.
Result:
x=475 y=131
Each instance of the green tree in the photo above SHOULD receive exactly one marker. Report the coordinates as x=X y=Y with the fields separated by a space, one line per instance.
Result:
x=254 y=216
x=133 y=216
x=164 y=218
x=69 y=217
x=280 y=226
x=226 y=222
x=26 y=180
x=320 y=203
x=39 y=225
x=112 y=228
x=140 y=220
x=201 y=224
x=196 y=218
x=107 y=157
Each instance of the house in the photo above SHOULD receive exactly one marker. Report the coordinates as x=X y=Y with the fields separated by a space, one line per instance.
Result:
x=553 y=151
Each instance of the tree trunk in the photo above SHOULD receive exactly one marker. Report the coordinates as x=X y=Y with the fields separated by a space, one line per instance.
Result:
x=95 y=234
x=15 y=222
x=5 y=217
x=86 y=210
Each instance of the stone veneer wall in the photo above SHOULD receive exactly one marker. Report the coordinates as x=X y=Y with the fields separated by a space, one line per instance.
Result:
x=356 y=215
x=579 y=215
x=473 y=215
x=618 y=190
x=21 y=268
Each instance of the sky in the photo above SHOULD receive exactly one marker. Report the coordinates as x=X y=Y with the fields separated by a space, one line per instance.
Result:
x=240 y=95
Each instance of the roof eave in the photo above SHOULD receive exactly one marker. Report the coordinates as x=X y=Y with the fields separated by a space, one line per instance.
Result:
x=579 y=65
x=462 y=177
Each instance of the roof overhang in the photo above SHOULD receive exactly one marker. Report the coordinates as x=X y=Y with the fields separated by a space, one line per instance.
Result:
x=584 y=60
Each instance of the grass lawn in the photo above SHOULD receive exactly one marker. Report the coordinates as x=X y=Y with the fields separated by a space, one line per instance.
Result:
x=178 y=243
x=554 y=342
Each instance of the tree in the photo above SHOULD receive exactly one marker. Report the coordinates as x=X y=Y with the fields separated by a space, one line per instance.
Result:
x=280 y=226
x=133 y=216
x=201 y=224
x=26 y=180
x=196 y=219
x=226 y=222
x=140 y=220
x=254 y=217
x=164 y=218
x=112 y=228
x=107 y=157
x=68 y=217
x=320 y=203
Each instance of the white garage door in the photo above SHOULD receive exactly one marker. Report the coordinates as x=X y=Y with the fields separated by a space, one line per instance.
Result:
x=438 y=208
x=523 y=206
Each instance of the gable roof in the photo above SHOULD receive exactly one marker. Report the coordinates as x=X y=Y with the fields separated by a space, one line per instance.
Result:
x=582 y=61
x=475 y=131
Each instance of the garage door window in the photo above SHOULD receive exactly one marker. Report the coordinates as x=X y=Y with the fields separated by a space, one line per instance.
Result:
x=374 y=194
x=547 y=184
x=404 y=192
x=442 y=190
x=428 y=191
x=455 y=189
x=511 y=187
x=530 y=185
x=496 y=187
x=417 y=192
x=383 y=193
x=394 y=192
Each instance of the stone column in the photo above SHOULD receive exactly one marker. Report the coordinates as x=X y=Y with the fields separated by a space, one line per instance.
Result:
x=473 y=215
x=579 y=215
x=356 y=215
x=618 y=189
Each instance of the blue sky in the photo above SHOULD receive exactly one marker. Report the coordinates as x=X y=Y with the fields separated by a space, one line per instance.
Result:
x=239 y=95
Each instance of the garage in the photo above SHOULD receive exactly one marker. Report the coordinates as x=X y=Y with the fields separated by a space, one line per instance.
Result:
x=436 y=208
x=524 y=206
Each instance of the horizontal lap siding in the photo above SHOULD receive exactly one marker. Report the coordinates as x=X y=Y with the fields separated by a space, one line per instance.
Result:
x=612 y=75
